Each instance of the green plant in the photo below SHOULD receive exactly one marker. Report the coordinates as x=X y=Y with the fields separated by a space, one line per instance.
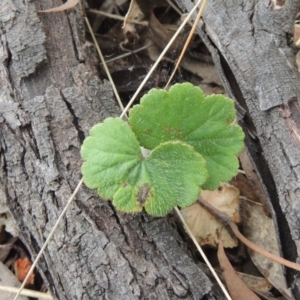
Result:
x=193 y=141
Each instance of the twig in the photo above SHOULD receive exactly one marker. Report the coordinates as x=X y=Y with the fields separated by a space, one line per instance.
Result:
x=112 y=16
x=226 y=220
x=128 y=53
x=249 y=200
x=174 y=7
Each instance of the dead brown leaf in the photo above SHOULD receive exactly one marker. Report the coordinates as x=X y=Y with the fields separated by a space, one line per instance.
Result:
x=225 y=219
x=22 y=266
x=254 y=189
x=237 y=288
x=259 y=228
x=255 y=283
x=107 y=6
x=134 y=14
x=205 y=226
x=296 y=37
x=296 y=40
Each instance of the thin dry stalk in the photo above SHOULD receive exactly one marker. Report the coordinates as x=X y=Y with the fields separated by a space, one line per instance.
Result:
x=48 y=239
x=26 y=292
x=128 y=53
x=202 y=254
x=187 y=41
x=112 y=16
x=104 y=63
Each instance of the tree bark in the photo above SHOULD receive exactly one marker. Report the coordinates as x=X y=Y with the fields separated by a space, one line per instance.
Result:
x=50 y=96
x=250 y=42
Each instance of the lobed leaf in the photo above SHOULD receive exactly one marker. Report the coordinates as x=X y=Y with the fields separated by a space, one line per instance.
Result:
x=185 y=114
x=114 y=165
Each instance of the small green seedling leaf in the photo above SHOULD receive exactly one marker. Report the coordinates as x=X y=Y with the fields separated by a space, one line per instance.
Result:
x=114 y=165
x=185 y=114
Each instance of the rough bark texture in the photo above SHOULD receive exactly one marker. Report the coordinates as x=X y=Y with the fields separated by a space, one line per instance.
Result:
x=50 y=96
x=251 y=46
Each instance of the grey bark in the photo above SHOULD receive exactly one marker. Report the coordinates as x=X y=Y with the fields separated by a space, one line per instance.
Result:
x=250 y=42
x=50 y=96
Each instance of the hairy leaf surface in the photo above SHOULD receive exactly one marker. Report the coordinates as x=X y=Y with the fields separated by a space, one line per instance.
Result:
x=185 y=114
x=114 y=165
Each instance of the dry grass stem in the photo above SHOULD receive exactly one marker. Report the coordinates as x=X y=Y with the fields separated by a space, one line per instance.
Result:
x=128 y=53
x=202 y=254
x=113 y=16
x=187 y=41
x=26 y=292
x=48 y=239
x=104 y=64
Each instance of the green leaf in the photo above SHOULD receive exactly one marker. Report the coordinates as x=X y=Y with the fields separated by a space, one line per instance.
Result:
x=171 y=175
x=185 y=114
x=109 y=152
x=176 y=172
